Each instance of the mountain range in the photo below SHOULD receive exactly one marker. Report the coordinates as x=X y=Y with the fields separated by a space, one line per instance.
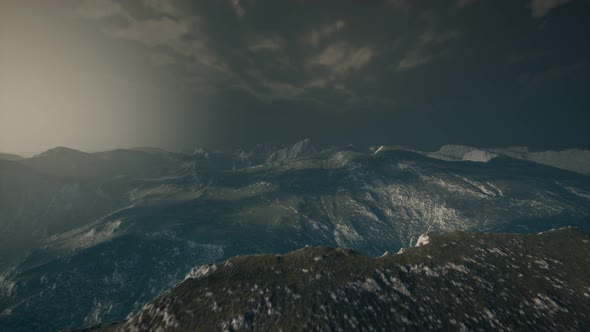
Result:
x=98 y=235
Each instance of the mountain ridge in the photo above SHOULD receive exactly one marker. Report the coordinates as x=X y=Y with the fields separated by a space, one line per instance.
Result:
x=10 y=156
x=161 y=223
x=320 y=288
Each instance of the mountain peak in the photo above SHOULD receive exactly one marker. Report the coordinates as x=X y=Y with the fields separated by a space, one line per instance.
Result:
x=300 y=149
x=303 y=147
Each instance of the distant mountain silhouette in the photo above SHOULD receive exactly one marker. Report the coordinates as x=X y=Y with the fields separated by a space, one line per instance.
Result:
x=10 y=156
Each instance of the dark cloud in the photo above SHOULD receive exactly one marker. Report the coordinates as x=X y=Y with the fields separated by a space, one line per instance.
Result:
x=421 y=73
x=540 y=8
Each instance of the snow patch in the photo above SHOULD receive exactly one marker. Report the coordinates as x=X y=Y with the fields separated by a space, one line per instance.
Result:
x=200 y=271
x=424 y=239
x=344 y=234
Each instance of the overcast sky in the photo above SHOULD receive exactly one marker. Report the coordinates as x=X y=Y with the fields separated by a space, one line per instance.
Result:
x=104 y=74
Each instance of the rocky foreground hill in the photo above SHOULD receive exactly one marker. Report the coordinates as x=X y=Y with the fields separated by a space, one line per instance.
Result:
x=455 y=281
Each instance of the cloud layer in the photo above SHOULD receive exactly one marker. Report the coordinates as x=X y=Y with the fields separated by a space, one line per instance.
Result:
x=227 y=45
x=234 y=72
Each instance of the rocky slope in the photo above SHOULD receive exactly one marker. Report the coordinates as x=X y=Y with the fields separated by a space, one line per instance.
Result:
x=456 y=281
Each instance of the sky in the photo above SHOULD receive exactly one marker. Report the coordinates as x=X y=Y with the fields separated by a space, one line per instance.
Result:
x=105 y=74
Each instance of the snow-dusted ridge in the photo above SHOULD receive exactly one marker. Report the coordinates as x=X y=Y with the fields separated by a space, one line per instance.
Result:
x=200 y=271
x=486 y=277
